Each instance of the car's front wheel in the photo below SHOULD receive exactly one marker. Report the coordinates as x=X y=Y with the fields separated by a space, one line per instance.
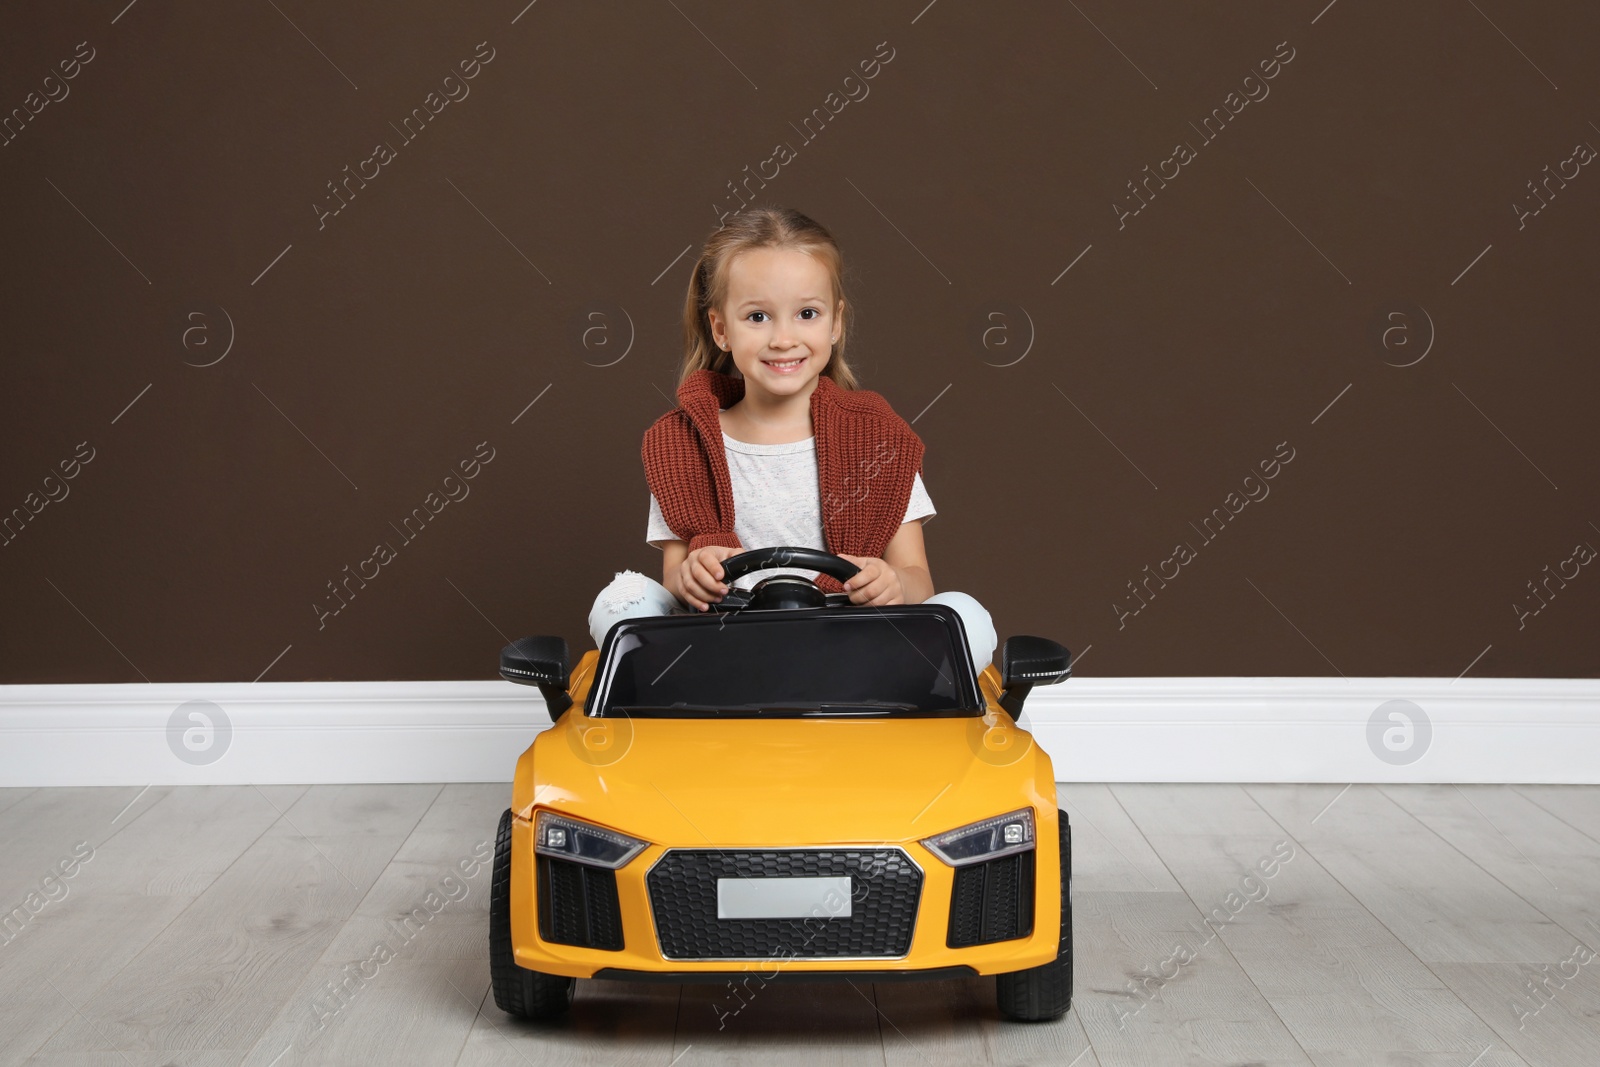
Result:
x=1045 y=992
x=524 y=993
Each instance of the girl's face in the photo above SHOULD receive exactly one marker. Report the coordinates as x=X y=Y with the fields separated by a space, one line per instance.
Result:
x=779 y=326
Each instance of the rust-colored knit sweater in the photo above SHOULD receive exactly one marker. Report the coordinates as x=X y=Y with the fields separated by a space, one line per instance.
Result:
x=867 y=458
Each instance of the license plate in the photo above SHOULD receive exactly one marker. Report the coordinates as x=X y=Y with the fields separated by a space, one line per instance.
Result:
x=783 y=898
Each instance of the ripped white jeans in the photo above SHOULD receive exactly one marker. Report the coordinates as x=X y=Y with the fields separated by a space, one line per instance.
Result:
x=632 y=595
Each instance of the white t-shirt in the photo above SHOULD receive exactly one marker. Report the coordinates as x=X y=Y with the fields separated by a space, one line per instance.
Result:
x=776 y=501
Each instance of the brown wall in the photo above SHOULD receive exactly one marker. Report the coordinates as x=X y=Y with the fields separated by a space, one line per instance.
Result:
x=1180 y=351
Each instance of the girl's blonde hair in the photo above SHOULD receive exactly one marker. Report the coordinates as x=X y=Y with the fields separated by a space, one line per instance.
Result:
x=762 y=227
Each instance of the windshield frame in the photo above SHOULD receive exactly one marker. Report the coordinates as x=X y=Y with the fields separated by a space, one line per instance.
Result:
x=969 y=701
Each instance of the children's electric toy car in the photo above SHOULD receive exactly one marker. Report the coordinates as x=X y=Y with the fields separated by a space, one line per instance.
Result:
x=788 y=786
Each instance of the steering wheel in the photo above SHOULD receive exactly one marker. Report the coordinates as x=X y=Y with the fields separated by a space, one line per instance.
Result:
x=782 y=590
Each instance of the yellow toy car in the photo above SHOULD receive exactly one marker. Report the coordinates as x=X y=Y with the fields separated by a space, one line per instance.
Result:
x=788 y=786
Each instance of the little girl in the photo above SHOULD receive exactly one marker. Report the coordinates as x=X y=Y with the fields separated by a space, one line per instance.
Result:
x=774 y=444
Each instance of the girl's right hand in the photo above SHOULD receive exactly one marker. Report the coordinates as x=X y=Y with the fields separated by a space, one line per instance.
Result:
x=700 y=576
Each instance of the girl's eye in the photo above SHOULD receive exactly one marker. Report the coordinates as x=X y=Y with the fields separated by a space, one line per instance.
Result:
x=812 y=311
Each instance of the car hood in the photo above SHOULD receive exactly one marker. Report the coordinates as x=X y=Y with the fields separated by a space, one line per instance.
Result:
x=704 y=782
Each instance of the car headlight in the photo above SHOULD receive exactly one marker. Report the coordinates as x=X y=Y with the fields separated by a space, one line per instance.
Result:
x=990 y=839
x=581 y=842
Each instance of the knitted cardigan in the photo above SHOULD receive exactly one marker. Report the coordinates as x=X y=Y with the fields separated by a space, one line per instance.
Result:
x=867 y=458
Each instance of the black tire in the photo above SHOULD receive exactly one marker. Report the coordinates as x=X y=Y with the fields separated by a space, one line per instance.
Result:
x=1042 y=993
x=518 y=991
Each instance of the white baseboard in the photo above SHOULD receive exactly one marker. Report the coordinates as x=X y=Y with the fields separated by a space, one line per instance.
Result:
x=1095 y=729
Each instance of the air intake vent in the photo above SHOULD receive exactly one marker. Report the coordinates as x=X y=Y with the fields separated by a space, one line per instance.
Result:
x=992 y=901
x=578 y=904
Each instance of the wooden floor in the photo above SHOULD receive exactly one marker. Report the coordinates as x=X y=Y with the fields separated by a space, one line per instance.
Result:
x=1400 y=925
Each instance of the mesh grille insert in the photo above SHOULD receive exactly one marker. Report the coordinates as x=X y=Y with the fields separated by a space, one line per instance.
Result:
x=992 y=901
x=885 y=890
x=578 y=904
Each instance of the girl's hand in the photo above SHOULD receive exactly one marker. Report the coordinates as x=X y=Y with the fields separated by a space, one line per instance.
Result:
x=877 y=585
x=700 y=576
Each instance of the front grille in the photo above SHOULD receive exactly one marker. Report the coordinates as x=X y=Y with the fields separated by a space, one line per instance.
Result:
x=992 y=901
x=885 y=889
x=578 y=904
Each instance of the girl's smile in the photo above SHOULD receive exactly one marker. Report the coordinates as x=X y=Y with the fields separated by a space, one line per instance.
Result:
x=789 y=366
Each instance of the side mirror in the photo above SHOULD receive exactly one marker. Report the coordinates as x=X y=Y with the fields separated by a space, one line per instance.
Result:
x=1026 y=662
x=540 y=661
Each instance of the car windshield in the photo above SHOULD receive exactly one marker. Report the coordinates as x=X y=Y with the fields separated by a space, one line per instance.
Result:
x=905 y=661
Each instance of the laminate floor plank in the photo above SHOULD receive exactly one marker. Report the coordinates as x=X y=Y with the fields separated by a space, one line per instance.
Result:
x=41 y=829
x=1109 y=854
x=1440 y=904
x=1208 y=1013
x=9 y=795
x=1560 y=1025
x=147 y=869
x=1533 y=852
x=186 y=1058
x=428 y=909
x=619 y=1024
x=409 y=1011
x=1576 y=805
x=1488 y=1057
x=432 y=901
x=1195 y=808
x=218 y=974
x=806 y=1024
x=957 y=1022
x=182 y=843
x=1549 y=1010
x=62 y=961
x=1336 y=976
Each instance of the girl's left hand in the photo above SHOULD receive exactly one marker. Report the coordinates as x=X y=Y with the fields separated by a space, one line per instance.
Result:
x=877 y=585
